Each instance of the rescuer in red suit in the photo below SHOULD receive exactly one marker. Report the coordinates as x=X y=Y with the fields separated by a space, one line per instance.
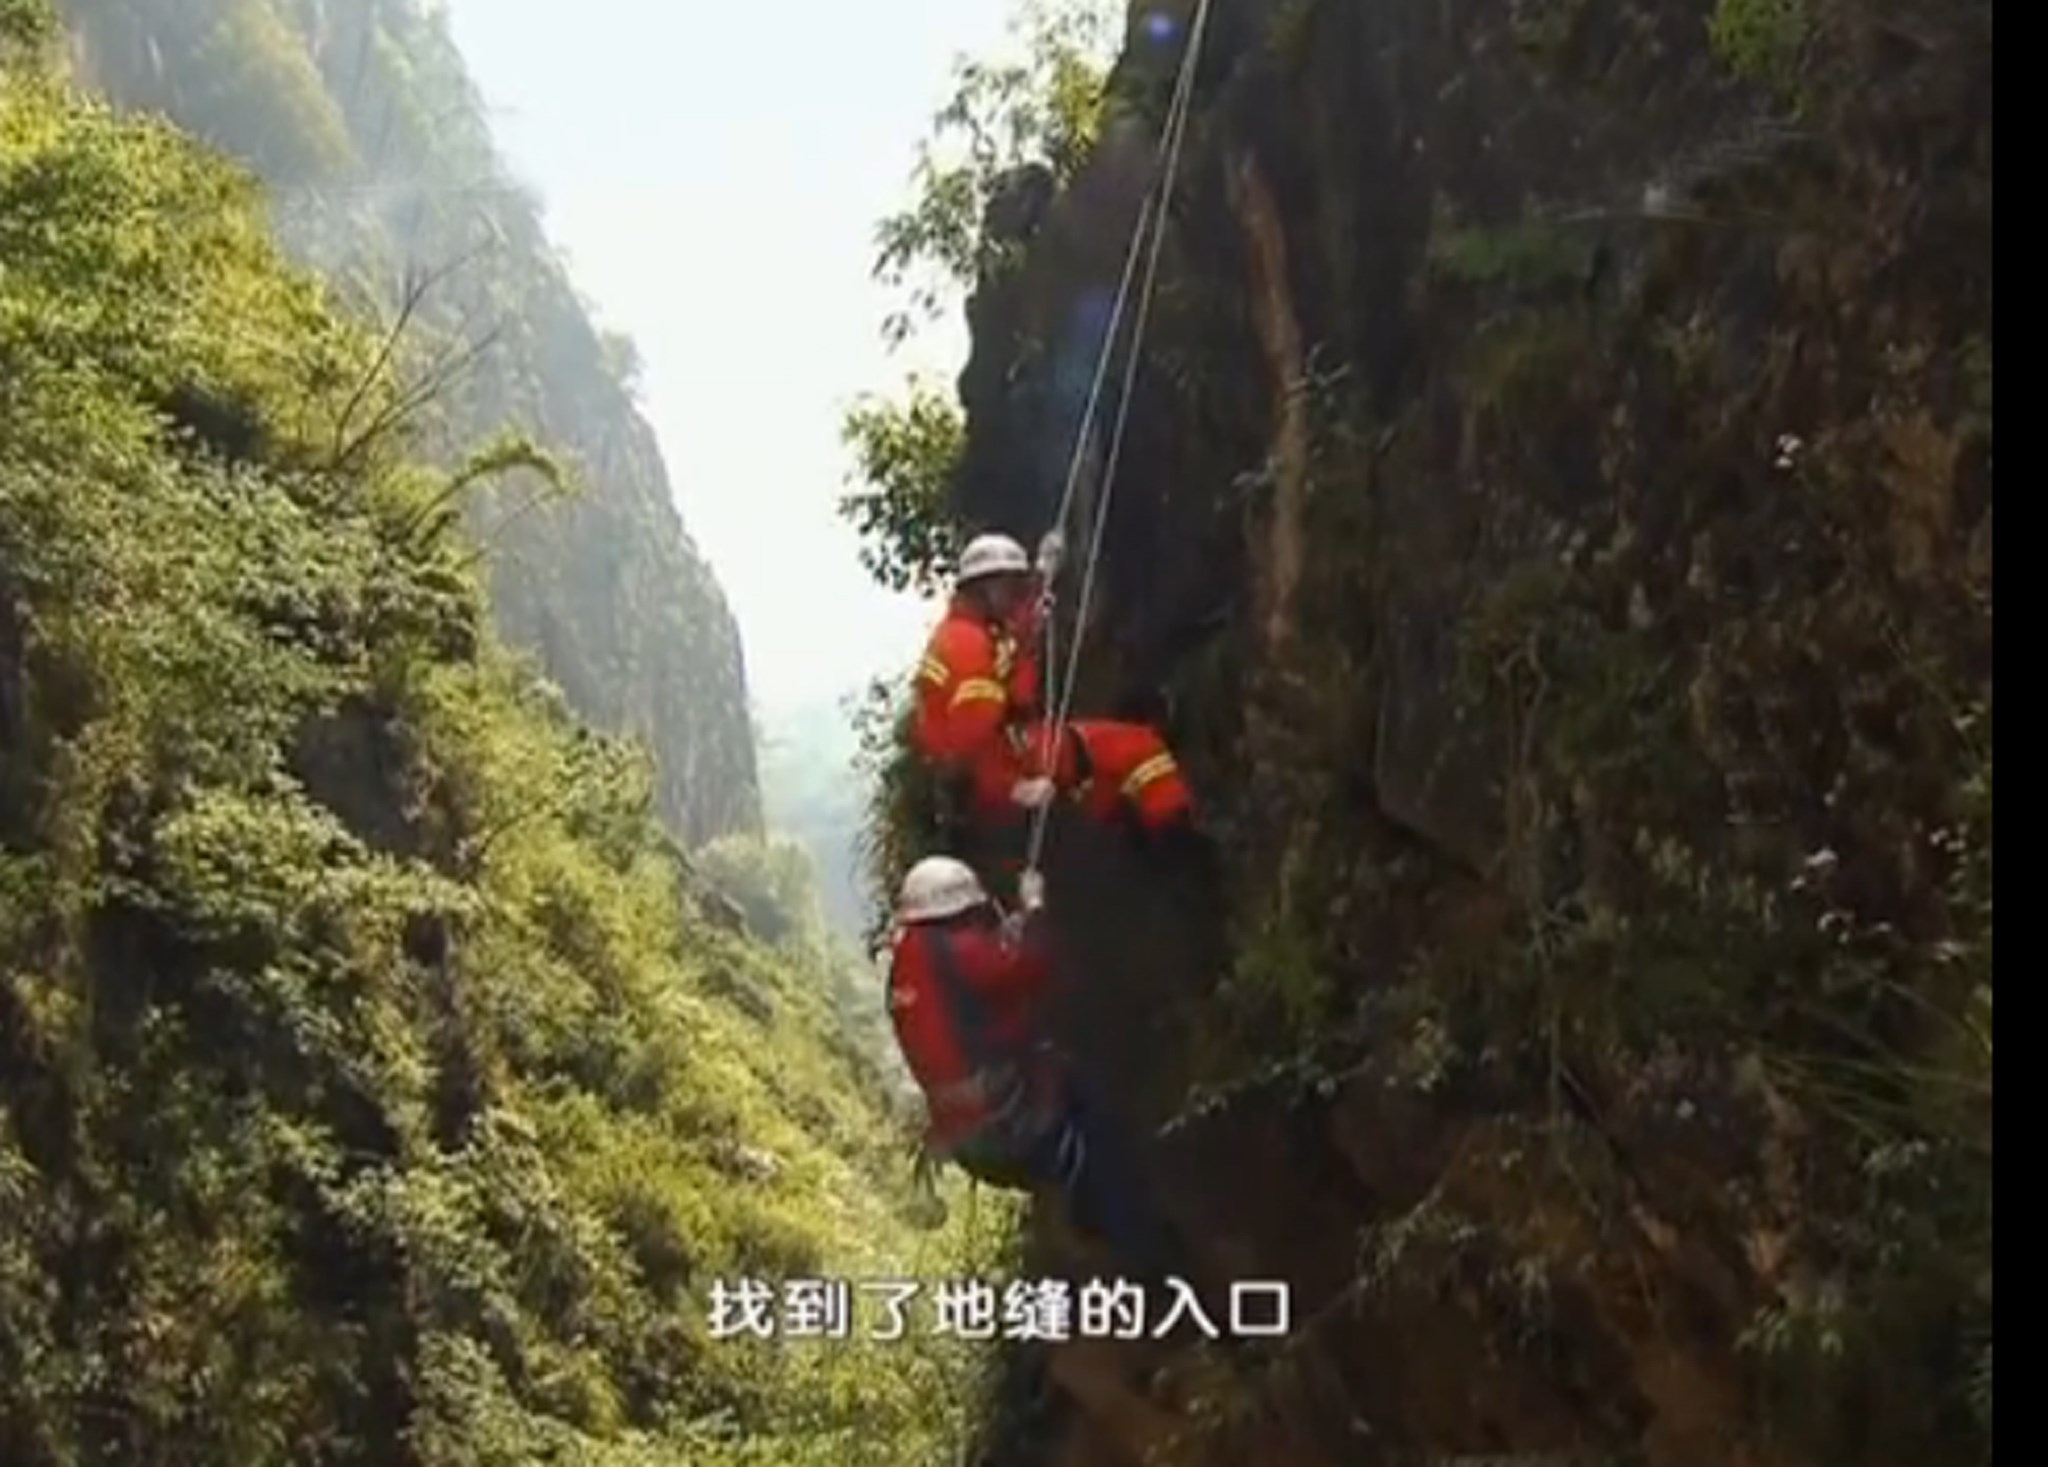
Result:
x=980 y=715
x=965 y=988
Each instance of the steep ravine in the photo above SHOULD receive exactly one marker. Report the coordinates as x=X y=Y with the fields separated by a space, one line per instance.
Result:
x=364 y=122
x=1556 y=528
x=373 y=1087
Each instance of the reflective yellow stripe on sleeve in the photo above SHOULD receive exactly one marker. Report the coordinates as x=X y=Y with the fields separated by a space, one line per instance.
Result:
x=933 y=671
x=1150 y=772
x=979 y=690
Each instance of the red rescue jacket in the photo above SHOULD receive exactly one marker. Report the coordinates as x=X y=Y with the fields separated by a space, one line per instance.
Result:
x=979 y=693
x=976 y=679
x=962 y=999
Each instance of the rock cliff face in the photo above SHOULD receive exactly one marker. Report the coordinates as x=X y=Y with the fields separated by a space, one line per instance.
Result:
x=1555 y=525
x=363 y=121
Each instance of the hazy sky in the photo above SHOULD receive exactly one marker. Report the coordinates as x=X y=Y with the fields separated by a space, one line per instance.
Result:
x=714 y=171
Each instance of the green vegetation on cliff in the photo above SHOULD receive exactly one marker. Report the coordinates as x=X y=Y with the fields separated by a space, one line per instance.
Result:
x=1558 y=523
x=372 y=1093
x=1010 y=128
x=364 y=123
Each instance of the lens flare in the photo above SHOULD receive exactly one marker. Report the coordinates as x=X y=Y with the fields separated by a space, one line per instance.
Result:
x=1091 y=320
x=1062 y=396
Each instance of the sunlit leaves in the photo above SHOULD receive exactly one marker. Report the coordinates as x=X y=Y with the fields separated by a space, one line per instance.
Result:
x=25 y=25
x=1040 y=108
x=474 y=325
x=129 y=252
x=348 y=983
x=905 y=454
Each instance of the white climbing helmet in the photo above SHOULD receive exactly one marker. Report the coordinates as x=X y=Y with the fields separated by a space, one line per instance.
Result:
x=939 y=887
x=991 y=555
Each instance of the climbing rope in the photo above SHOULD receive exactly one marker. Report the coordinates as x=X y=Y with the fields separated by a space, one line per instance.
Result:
x=1155 y=214
x=1084 y=429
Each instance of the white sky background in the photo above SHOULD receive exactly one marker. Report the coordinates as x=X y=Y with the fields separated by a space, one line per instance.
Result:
x=713 y=173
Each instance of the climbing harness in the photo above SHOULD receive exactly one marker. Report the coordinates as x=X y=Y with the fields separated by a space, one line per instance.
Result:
x=1018 y=1097
x=1153 y=215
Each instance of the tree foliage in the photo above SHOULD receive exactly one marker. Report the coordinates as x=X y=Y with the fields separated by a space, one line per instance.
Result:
x=906 y=454
x=369 y=1092
x=25 y=25
x=365 y=124
x=772 y=880
x=1042 y=107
